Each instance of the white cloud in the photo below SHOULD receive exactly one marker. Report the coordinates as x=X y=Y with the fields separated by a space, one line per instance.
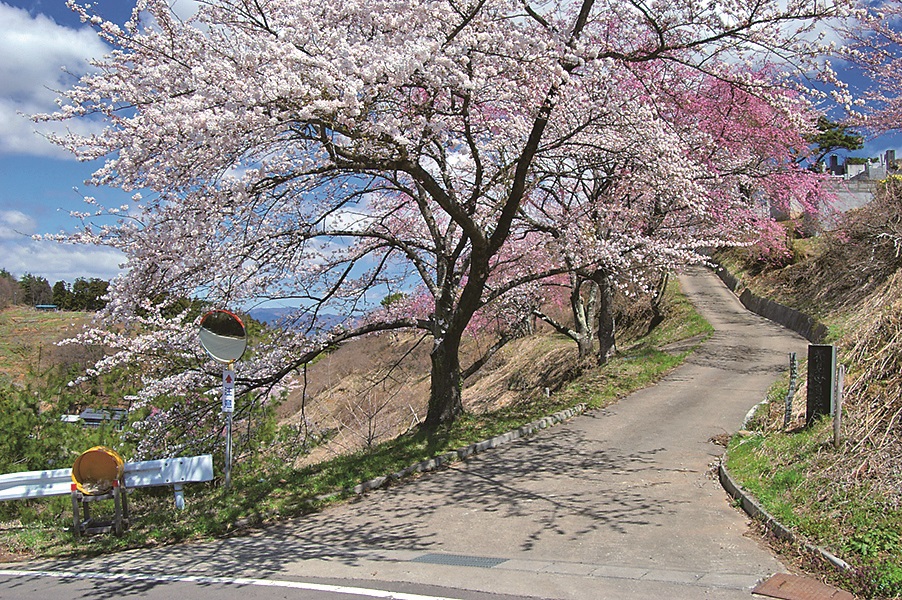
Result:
x=56 y=261
x=184 y=9
x=15 y=225
x=347 y=220
x=42 y=57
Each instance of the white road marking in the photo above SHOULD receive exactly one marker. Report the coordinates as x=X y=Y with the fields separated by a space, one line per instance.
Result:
x=298 y=585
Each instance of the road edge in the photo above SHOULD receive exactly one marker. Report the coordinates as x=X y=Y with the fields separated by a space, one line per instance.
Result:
x=752 y=508
x=812 y=330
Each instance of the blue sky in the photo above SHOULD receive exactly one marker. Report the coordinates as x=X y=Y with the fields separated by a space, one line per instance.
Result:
x=40 y=183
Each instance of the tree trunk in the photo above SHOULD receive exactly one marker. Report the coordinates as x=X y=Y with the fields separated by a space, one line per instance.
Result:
x=657 y=314
x=582 y=303
x=605 y=316
x=586 y=347
x=445 y=403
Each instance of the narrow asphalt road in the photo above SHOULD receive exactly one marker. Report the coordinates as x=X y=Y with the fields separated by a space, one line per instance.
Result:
x=619 y=503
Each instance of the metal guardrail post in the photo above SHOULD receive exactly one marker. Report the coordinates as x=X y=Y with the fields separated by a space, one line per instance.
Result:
x=179 y=496
x=118 y=496
x=76 y=512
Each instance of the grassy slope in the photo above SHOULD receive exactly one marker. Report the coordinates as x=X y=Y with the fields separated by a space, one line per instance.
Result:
x=28 y=338
x=848 y=500
x=271 y=488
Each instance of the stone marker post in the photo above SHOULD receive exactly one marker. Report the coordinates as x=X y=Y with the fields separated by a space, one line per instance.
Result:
x=791 y=391
x=837 y=406
x=821 y=373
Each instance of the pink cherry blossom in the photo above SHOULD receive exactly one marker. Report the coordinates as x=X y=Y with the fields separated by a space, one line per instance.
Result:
x=331 y=153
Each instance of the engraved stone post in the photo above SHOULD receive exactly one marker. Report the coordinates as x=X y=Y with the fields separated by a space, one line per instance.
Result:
x=821 y=370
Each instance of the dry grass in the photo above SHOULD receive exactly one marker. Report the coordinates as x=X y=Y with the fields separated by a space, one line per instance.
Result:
x=873 y=399
x=852 y=279
x=377 y=388
x=28 y=341
x=835 y=273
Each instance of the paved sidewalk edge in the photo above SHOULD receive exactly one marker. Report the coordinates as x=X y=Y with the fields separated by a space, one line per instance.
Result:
x=461 y=453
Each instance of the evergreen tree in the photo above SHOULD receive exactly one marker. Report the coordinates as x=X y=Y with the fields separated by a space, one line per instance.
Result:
x=36 y=290
x=62 y=296
x=87 y=294
x=832 y=136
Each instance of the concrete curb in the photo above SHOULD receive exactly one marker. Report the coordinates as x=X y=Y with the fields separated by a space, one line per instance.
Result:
x=459 y=454
x=814 y=332
x=809 y=328
x=751 y=506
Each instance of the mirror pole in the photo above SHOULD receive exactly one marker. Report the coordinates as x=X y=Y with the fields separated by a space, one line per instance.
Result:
x=228 y=449
x=228 y=465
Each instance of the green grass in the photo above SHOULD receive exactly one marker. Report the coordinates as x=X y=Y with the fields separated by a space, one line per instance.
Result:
x=266 y=490
x=805 y=483
x=789 y=473
x=683 y=322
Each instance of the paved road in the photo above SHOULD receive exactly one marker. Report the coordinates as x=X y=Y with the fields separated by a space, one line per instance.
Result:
x=619 y=503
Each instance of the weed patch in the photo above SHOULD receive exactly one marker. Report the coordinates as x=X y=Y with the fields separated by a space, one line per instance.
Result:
x=789 y=474
x=848 y=500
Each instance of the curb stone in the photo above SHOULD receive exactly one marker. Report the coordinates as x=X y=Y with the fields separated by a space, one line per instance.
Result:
x=461 y=453
x=806 y=326
x=753 y=509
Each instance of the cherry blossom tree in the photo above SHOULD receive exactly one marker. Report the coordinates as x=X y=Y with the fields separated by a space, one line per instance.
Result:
x=613 y=216
x=334 y=153
x=629 y=211
x=875 y=46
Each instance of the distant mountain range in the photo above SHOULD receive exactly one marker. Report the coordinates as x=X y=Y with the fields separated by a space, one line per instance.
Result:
x=277 y=315
x=270 y=316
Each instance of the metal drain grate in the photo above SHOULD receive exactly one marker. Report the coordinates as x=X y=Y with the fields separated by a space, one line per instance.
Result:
x=458 y=560
x=793 y=587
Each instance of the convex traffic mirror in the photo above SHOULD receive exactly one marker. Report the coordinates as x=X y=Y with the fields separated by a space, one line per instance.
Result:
x=223 y=336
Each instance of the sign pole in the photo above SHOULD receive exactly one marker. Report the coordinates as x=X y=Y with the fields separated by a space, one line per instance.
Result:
x=837 y=405
x=228 y=407
x=223 y=336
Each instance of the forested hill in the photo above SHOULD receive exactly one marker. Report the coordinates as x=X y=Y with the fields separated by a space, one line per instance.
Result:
x=84 y=294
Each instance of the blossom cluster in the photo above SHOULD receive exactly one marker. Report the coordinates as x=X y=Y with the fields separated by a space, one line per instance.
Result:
x=464 y=155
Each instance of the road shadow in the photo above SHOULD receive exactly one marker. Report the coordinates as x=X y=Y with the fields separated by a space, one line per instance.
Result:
x=558 y=484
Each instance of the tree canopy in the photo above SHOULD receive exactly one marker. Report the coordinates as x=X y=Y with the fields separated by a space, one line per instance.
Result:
x=85 y=294
x=874 y=46
x=833 y=136
x=334 y=154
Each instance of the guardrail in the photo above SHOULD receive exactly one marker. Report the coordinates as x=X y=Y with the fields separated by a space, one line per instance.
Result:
x=58 y=482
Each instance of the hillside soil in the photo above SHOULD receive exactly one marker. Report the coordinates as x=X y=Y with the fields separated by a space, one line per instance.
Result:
x=28 y=341
x=377 y=387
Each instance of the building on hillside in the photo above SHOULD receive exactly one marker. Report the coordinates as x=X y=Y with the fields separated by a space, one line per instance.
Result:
x=868 y=169
x=855 y=179
x=91 y=417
